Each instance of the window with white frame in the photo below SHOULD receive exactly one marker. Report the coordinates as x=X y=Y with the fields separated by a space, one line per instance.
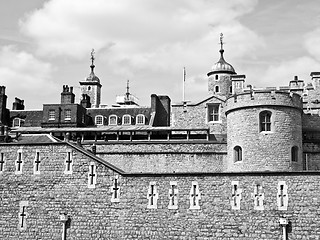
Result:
x=126 y=120
x=152 y=195
x=115 y=189
x=140 y=119
x=194 y=196
x=258 y=197
x=282 y=196
x=213 y=112
x=52 y=115
x=173 y=195
x=17 y=122
x=23 y=215
x=99 y=120
x=113 y=120
x=235 y=195
x=67 y=114
x=265 y=121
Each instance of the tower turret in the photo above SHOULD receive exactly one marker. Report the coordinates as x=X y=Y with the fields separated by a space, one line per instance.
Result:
x=91 y=86
x=219 y=78
x=264 y=131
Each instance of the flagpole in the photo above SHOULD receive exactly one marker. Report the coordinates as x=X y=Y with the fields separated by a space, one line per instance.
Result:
x=184 y=81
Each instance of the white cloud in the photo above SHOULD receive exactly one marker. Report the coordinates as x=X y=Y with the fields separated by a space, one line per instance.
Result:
x=284 y=72
x=145 y=40
x=73 y=27
x=312 y=43
x=24 y=76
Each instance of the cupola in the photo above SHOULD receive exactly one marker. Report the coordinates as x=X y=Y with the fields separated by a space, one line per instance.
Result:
x=221 y=66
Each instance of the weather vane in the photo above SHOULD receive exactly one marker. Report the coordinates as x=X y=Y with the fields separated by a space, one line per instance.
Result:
x=92 y=56
x=221 y=38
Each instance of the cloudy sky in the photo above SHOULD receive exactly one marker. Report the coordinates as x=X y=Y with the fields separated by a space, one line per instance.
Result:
x=45 y=44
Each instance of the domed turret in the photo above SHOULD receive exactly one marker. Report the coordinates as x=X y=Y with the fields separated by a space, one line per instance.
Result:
x=91 y=85
x=222 y=66
x=219 y=82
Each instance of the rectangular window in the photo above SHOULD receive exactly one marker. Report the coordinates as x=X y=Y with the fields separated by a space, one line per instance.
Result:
x=282 y=196
x=36 y=164
x=213 y=113
x=2 y=162
x=194 y=196
x=23 y=215
x=173 y=195
x=265 y=121
x=99 y=120
x=19 y=162
x=115 y=189
x=67 y=115
x=52 y=115
x=152 y=195
x=92 y=175
x=235 y=195
x=140 y=119
x=126 y=120
x=68 y=163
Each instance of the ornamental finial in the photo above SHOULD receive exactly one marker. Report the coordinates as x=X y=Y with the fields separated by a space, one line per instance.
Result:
x=92 y=56
x=92 y=60
x=221 y=40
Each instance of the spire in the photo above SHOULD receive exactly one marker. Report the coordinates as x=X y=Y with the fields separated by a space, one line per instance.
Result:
x=92 y=60
x=92 y=77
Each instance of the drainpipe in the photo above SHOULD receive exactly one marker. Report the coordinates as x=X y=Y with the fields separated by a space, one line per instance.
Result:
x=283 y=223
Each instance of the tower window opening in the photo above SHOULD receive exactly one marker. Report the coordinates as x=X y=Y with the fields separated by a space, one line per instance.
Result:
x=265 y=121
x=294 y=154
x=89 y=88
x=217 y=89
x=216 y=77
x=230 y=89
x=237 y=154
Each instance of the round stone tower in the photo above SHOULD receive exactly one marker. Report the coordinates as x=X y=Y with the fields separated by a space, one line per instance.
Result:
x=219 y=78
x=264 y=132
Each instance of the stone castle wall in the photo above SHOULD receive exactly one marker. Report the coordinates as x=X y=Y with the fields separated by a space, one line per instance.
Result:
x=196 y=116
x=165 y=157
x=95 y=216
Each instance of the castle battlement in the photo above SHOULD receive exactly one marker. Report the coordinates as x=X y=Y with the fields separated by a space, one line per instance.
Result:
x=256 y=98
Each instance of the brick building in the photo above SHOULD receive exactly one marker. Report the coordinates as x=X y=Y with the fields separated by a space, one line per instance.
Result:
x=241 y=164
